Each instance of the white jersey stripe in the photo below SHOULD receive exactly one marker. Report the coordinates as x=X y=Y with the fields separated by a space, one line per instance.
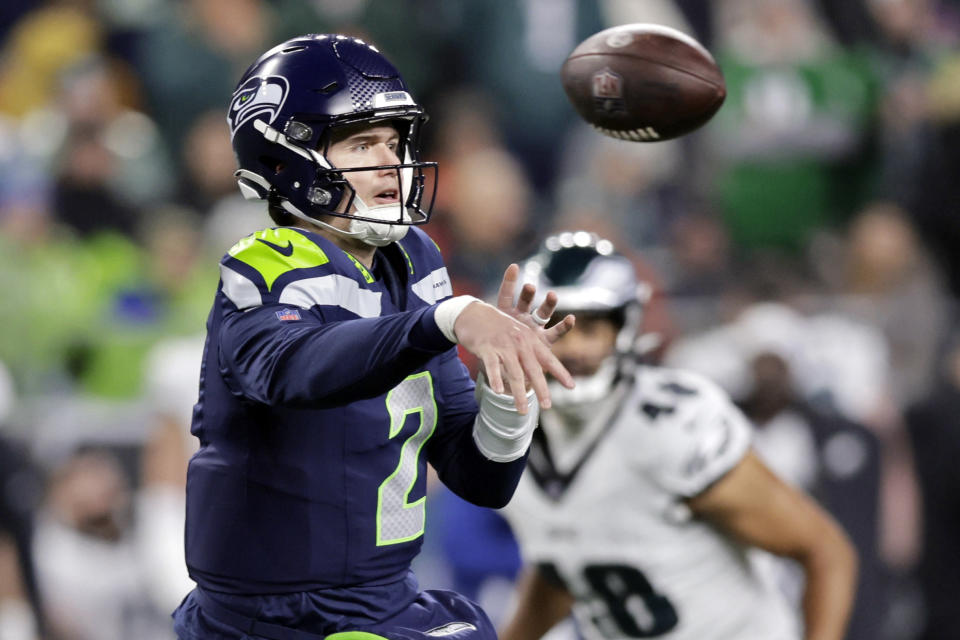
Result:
x=434 y=287
x=239 y=289
x=333 y=290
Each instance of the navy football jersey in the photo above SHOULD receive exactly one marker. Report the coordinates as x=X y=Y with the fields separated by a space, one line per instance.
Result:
x=325 y=390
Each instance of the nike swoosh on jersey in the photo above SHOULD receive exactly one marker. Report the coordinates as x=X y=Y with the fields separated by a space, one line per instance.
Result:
x=284 y=251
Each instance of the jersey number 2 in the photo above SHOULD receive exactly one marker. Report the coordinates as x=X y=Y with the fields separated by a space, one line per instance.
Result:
x=398 y=519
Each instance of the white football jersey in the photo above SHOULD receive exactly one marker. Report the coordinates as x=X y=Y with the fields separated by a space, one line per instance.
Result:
x=600 y=509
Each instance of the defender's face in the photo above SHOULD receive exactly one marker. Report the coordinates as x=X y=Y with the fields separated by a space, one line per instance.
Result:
x=369 y=147
x=587 y=345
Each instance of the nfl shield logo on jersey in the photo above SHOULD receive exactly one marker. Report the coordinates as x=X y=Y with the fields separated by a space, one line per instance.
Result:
x=288 y=314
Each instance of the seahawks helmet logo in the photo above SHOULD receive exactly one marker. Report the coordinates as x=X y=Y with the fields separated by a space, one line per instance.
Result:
x=261 y=96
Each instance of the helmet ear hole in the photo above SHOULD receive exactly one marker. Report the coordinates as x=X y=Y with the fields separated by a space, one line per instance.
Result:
x=273 y=165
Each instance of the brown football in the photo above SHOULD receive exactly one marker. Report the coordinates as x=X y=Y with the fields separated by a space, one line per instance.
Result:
x=643 y=82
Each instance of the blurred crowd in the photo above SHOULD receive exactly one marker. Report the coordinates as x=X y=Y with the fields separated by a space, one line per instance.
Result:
x=804 y=249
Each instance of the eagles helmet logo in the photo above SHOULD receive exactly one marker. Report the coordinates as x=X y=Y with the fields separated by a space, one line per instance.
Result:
x=257 y=96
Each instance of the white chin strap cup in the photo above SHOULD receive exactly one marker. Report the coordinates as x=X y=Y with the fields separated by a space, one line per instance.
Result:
x=379 y=234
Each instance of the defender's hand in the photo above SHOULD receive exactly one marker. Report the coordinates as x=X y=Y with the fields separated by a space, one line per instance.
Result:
x=508 y=348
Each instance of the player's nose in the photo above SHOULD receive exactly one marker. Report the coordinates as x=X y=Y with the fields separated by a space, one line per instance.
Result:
x=386 y=155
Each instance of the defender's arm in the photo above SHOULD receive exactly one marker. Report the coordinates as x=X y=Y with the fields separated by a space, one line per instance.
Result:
x=755 y=506
x=541 y=604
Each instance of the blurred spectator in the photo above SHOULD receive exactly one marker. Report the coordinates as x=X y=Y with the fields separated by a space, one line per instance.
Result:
x=463 y=122
x=191 y=57
x=25 y=191
x=162 y=291
x=40 y=45
x=903 y=53
x=209 y=188
x=89 y=574
x=935 y=435
x=89 y=310
x=485 y=217
x=886 y=280
x=631 y=187
x=172 y=383
x=936 y=192
x=208 y=163
x=83 y=199
x=111 y=163
x=791 y=142
x=514 y=50
x=700 y=261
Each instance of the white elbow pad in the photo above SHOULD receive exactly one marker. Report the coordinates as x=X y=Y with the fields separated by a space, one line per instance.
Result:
x=500 y=432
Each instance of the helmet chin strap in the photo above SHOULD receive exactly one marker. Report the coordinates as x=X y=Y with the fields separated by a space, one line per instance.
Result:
x=379 y=234
x=376 y=234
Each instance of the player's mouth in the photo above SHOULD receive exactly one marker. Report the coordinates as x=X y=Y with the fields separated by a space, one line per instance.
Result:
x=387 y=196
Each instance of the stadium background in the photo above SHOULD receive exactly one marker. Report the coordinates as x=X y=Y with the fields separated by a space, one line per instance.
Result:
x=815 y=219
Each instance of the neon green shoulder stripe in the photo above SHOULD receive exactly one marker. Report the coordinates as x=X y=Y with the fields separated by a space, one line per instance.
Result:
x=274 y=252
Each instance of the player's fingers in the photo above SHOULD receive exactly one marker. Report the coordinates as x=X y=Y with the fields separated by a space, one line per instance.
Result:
x=515 y=380
x=555 y=332
x=553 y=366
x=535 y=376
x=525 y=299
x=507 y=286
x=548 y=306
x=491 y=368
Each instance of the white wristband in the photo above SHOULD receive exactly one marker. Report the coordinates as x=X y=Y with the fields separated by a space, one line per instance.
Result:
x=447 y=313
x=501 y=433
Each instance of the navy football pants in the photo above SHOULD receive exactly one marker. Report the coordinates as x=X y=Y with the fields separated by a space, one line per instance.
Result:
x=434 y=614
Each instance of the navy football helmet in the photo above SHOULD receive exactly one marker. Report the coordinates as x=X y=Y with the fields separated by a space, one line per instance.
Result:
x=287 y=107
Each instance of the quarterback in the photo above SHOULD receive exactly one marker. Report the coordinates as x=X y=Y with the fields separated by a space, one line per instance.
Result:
x=642 y=496
x=330 y=376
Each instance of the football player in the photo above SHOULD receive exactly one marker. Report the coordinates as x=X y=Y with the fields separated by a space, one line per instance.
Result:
x=330 y=375
x=642 y=496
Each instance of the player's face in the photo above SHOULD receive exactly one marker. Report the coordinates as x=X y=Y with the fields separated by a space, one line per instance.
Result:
x=587 y=345
x=367 y=147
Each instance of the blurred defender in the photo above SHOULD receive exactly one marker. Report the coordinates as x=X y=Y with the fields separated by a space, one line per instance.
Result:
x=642 y=496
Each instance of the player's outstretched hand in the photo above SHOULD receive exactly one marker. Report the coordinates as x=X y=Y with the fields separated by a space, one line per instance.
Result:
x=511 y=351
x=538 y=319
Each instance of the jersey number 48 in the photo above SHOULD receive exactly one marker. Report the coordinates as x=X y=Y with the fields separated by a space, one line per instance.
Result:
x=623 y=603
